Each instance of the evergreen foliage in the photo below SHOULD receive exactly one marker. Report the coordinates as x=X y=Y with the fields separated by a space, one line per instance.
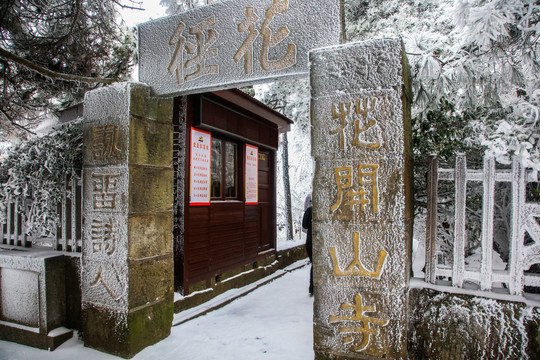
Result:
x=481 y=56
x=71 y=46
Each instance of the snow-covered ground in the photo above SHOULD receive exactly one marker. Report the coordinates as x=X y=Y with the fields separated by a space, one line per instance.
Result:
x=273 y=322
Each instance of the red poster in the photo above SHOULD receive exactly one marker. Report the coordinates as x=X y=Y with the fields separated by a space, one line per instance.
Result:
x=199 y=167
x=252 y=175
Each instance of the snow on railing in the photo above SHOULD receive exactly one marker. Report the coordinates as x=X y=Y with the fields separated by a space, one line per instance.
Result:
x=523 y=220
x=66 y=236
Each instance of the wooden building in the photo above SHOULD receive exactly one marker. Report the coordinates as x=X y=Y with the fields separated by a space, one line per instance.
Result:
x=229 y=218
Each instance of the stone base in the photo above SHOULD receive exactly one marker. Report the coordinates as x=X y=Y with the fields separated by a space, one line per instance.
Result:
x=241 y=278
x=28 y=336
x=126 y=333
x=337 y=356
x=461 y=326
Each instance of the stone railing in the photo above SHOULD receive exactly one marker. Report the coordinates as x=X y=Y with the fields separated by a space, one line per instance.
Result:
x=522 y=254
x=67 y=236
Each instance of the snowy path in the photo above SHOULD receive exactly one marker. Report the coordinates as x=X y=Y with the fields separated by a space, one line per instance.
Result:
x=273 y=322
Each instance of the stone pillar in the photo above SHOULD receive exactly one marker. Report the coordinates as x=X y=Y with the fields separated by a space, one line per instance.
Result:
x=362 y=199
x=127 y=259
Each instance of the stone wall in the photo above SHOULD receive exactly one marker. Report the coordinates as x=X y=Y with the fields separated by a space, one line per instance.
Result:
x=450 y=326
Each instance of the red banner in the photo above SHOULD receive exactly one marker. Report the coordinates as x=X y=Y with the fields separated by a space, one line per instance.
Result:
x=199 y=167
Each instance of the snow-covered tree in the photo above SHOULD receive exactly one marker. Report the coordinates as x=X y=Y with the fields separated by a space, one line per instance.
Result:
x=481 y=56
x=37 y=170
x=291 y=98
x=52 y=51
x=178 y=6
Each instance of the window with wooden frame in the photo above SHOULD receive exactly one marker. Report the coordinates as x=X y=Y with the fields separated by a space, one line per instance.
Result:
x=224 y=169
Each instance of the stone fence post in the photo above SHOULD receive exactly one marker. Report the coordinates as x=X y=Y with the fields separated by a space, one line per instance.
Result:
x=362 y=199
x=127 y=251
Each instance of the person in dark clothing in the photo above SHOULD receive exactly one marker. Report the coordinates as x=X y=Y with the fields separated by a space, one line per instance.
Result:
x=306 y=224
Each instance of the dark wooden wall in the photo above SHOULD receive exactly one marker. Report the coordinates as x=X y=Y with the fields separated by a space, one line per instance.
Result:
x=229 y=234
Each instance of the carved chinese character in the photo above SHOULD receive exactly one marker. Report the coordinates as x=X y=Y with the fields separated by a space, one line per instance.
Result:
x=105 y=190
x=356 y=268
x=177 y=62
x=363 y=109
x=205 y=37
x=246 y=49
x=269 y=40
x=364 y=329
x=105 y=140
x=341 y=114
x=362 y=126
x=99 y=279
x=104 y=236
x=364 y=191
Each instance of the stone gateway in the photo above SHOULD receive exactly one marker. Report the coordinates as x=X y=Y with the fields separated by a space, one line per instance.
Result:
x=361 y=192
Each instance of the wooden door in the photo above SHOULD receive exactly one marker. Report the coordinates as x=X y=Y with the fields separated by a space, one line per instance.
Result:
x=267 y=223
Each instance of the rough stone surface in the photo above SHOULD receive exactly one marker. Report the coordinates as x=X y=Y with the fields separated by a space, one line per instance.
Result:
x=32 y=289
x=73 y=291
x=453 y=326
x=384 y=188
x=127 y=277
x=19 y=304
x=148 y=237
x=126 y=333
x=151 y=142
x=375 y=65
x=150 y=280
x=362 y=199
x=233 y=43
x=151 y=189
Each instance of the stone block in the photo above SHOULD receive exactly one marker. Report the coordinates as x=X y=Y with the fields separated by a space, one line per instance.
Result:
x=150 y=280
x=367 y=124
x=150 y=143
x=234 y=58
x=143 y=105
x=106 y=189
x=368 y=256
x=377 y=64
x=354 y=323
x=107 y=237
x=125 y=333
x=110 y=104
x=151 y=189
x=105 y=283
x=360 y=190
x=105 y=142
x=150 y=235
x=73 y=291
x=165 y=110
x=200 y=286
x=139 y=100
x=20 y=296
x=32 y=289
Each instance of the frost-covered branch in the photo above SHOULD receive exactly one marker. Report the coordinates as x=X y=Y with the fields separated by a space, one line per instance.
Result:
x=52 y=74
